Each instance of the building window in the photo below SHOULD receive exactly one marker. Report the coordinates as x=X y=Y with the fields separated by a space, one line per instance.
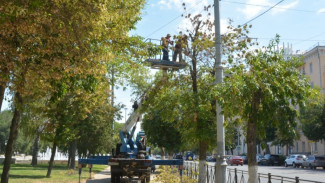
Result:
x=303 y=147
x=311 y=68
x=315 y=148
x=303 y=70
x=312 y=84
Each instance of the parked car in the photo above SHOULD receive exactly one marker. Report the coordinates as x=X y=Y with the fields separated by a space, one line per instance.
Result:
x=211 y=159
x=178 y=156
x=235 y=160
x=245 y=159
x=313 y=162
x=158 y=156
x=294 y=160
x=258 y=158
x=270 y=159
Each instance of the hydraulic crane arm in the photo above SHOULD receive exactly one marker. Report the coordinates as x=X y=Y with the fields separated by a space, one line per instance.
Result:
x=134 y=117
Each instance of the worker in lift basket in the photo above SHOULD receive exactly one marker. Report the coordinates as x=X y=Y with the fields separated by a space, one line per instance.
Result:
x=165 y=43
x=179 y=46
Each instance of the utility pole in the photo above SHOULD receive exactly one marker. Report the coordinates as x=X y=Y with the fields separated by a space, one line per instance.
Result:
x=112 y=97
x=221 y=165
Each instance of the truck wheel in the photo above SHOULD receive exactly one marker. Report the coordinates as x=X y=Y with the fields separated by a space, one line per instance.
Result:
x=115 y=174
x=115 y=178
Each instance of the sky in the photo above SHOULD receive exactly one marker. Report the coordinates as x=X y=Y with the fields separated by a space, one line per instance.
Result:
x=300 y=23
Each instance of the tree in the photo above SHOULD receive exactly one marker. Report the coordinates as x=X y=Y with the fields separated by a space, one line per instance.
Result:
x=259 y=88
x=161 y=134
x=231 y=139
x=47 y=41
x=5 y=117
x=313 y=118
x=188 y=97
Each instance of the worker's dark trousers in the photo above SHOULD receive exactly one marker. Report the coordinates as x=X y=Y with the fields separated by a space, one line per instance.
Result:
x=165 y=54
x=177 y=51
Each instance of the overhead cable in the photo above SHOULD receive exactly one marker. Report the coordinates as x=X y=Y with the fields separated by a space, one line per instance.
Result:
x=263 y=13
x=266 y=6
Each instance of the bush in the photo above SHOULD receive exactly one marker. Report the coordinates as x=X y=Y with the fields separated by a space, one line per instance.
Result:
x=282 y=159
x=171 y=175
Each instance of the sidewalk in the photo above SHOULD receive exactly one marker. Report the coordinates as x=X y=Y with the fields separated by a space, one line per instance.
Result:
x=101 y=177
x=105 y=177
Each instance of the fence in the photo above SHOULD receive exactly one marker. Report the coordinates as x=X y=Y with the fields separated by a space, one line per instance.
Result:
x=238 y=176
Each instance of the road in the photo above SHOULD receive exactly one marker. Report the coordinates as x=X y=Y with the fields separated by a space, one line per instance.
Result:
x=306 y=174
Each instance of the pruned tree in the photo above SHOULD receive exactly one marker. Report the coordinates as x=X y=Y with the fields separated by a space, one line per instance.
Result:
x=260 y=87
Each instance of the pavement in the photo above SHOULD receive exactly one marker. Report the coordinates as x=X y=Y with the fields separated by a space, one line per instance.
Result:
x=105 y=177
x=101 y=177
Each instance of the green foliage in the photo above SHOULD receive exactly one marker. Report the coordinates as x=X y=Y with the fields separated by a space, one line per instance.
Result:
x=160 y=133
x=313 y=118
x=155 y=150
x=278 y=82
x=171 y=175
x=231 y=138
x=5 y=119
x=22 y=145
x=282 y=159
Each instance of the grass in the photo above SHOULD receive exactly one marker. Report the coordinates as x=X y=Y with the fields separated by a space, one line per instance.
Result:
x=24 y=173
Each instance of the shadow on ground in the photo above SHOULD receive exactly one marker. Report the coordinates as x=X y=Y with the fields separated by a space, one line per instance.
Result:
x=105 y=180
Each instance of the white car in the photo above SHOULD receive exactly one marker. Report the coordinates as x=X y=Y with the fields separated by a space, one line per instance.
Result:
x=294 y=160
x=258 y=158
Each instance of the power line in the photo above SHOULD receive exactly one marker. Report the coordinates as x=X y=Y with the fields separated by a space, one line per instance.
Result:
x=266 y=6
x=308 y=39
x=164 y=26
x=167 y=23
x=263 y=12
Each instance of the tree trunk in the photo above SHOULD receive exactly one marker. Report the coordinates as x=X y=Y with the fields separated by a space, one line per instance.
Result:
x=49 y=170
x=35 y=148
x=12 y=138
x=73 y=154
x=69 y=157
x=162 y=153
x=251 y=138
x=202 y=161
x=251 y=152
x=268 y=151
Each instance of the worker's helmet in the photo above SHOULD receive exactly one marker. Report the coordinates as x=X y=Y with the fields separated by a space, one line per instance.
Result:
x=168 y=35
